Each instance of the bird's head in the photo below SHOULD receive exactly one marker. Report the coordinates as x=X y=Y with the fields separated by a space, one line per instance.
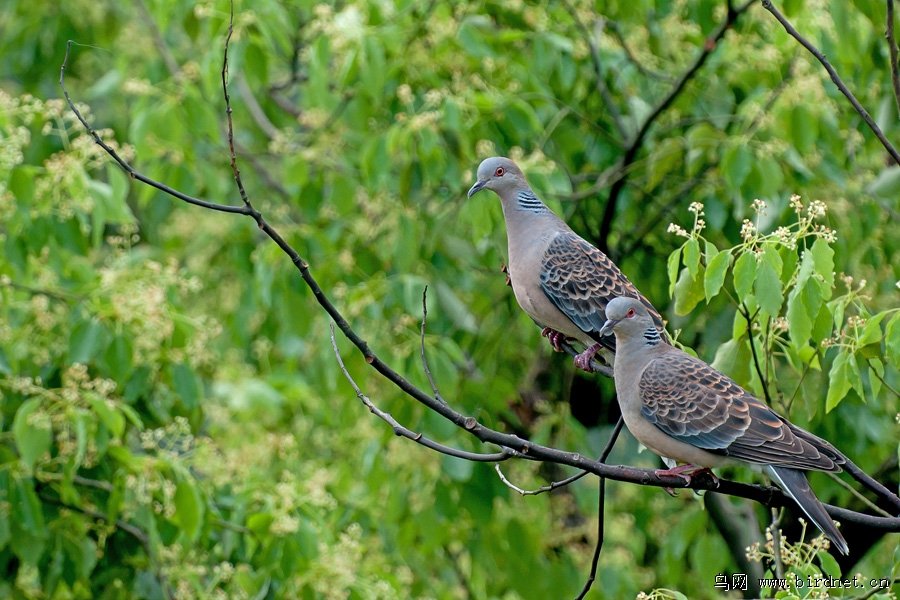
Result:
x=498 y=174
x=626 y=316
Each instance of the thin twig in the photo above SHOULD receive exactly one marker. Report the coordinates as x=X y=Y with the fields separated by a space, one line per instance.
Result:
x=241 y=210
x=601 y=505
x=161 y=46
x=857 y=495
x=52 y=294
x=647 y=72
x=756 y=365
x=767 y=4
x=869 y=482
x=881 y=379
x=564 y=482
x=774 y=528
x=437 y=394
x=875 y=590
x=402 y=431
x=595 y=560
x=256 y=111
x=228 y=111
x=892 y=47
x=601 y=502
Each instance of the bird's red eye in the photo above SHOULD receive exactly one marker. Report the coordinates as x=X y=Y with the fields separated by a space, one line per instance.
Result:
x=499 y=172
x=630 y=312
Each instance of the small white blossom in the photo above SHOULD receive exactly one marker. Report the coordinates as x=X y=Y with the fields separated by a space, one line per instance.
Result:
x=759 y=206
x=404 y=94
x=696 y=208
x=748 y=229
x=677 y=230
x=796 y=204
x=816 y=209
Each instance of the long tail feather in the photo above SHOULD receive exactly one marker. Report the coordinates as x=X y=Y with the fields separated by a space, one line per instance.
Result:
x=795 y=485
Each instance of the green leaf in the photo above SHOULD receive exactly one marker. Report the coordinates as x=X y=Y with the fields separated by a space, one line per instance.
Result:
x=716 y=270
x=692 y=256
x=876 y=374
x=771 y=256
x=767 y=289
x=33 y=432
x=830 y=566
x=456 y=309
x=823 y=259
x=456 y=468
x=736 y=164
x=27 y=510
x=807 y=266
x=688 y=291
x=85 y=341
x=798 y=317
x=871 y=333
x=887 y=184
x=187 y=385
x=672 y=269
x=892 y=340
x=838 y=381
x=27 y=520
x=188 y=508
x=110 y=416
x=744 y=274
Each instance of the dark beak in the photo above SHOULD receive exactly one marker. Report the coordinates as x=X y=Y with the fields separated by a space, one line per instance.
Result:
x=479 y=185
x=607 y=328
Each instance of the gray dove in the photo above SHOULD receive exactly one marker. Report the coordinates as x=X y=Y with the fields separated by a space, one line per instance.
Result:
x=559 y=279
x=680 y=407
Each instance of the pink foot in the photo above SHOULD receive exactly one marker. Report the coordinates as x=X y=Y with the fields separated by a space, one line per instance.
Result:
x=686 y=472
x=583 y=360
x=554 y=337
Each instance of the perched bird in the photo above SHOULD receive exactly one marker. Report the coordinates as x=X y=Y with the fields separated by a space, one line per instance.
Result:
x=681 y=408
x=559 y=279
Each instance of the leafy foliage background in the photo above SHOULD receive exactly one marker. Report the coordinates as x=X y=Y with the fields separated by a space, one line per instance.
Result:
x=173 y=419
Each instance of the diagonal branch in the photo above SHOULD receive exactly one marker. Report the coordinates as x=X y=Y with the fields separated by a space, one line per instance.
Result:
x=767 y=4
x=892 y=49
x=634 y=146
x=602 y=88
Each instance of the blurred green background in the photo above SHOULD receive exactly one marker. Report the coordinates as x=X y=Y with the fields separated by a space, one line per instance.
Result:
x=173 y=422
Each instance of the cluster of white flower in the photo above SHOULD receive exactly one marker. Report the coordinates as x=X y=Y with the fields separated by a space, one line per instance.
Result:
x=759 y=206
x=748 y=230
x=678 y=230
x=817 y=209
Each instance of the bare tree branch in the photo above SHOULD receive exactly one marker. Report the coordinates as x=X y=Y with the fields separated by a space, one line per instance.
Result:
x=767 y=4
x=892 y=49
x=602 y=88
x=161 y=46
x=766 y=495
x=564 y=482
x=613 y=26
x=437 y=394
x=402 y=431
x=595 y=560
x=634 y=146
